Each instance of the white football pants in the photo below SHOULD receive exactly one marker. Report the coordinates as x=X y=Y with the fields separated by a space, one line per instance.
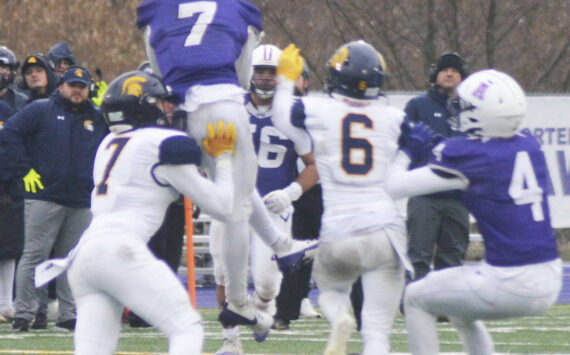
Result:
x=234 y=249
x=266 y=274
x=111 y=271
x=467 y=294
x=339 y=263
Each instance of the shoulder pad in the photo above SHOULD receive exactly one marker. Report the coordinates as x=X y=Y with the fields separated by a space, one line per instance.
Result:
x=179 y=150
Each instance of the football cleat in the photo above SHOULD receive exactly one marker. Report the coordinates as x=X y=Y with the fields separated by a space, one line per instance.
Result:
x=260 y=322
x=231 y=346
x=6 y=315
x=280 y=324
x=307 y=310
x=300 y=251
x=341 y=331
x=20 y=325
x=231 y=318
x=263 y=326
x=40 y=321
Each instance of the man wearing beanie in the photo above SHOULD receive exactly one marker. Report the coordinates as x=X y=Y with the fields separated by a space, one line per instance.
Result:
x=437 y=224
x=39 y=79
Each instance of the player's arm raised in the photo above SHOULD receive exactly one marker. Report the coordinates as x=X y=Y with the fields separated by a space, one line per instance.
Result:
x=287 y=117
x=214 y=198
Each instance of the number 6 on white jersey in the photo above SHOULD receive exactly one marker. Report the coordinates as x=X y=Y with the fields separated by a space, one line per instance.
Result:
x=207 y=10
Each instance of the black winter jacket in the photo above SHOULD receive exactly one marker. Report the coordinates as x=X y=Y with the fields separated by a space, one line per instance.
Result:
x=59 y=143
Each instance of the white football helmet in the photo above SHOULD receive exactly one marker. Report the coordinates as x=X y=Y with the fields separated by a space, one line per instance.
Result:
x=265 y=55
x=492 y=104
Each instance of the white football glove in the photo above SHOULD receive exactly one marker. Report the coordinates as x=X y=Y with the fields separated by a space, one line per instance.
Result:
x=277 y=201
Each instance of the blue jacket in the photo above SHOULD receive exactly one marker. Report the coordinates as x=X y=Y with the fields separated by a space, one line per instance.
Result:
x=15 y=99
x=431 y=109
x=59 y=143
x=60 y=50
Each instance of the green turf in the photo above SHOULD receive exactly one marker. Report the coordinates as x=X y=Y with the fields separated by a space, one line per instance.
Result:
x=549 y=333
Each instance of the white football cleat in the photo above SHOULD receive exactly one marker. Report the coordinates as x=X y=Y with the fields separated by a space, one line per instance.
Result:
x=231 y=346
x=342 y=329
x=262 y=327
x=6 y=315
x=307 y=311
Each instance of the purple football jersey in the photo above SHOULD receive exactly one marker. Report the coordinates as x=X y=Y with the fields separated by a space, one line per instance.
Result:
x=506 y=195
x=198 y=42
x=276 y=155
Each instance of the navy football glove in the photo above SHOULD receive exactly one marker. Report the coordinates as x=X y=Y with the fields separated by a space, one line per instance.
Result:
x=416 y=140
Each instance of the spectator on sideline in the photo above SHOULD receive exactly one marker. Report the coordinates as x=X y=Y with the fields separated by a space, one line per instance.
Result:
x=11 y=232
x=52 y=143
x=61 y=57
x=11 y=192
x=39 y=79
x=8 y=68
x=437 y=224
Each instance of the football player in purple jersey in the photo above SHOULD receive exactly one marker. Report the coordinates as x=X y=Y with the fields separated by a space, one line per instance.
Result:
x=503 y=175
x=202 y=49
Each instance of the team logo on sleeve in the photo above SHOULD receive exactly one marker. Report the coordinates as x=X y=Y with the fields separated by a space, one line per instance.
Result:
x=132 y=86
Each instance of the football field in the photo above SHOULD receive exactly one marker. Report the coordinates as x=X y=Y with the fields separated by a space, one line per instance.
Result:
x=547 y=334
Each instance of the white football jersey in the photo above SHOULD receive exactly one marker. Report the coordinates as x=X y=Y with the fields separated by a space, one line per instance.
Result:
x=126 y=195
x=354 y=145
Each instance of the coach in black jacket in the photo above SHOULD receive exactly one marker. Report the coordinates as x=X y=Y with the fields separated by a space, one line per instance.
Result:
x=52 y=144
x=437 y=224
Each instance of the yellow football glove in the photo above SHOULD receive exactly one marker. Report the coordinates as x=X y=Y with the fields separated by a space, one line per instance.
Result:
x=290 y=63
x=31 y=180
x=221 y=140
x=101 y=87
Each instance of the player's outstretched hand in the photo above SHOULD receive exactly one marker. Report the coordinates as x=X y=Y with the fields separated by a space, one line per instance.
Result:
x=416 y=140
x=290 y=63
x=220 y=140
